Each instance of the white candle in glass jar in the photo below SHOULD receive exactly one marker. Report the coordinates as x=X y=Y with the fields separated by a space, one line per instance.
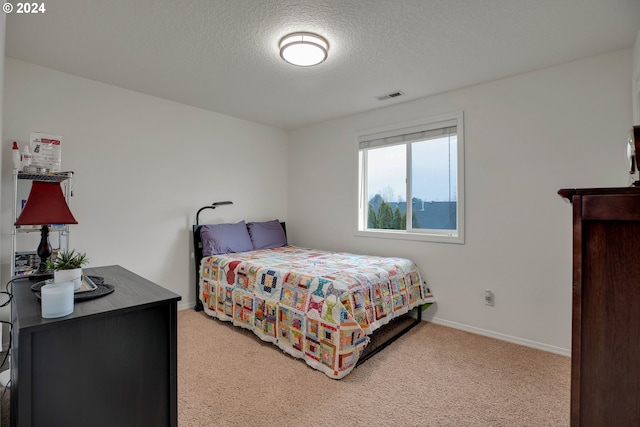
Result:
x=57 y=299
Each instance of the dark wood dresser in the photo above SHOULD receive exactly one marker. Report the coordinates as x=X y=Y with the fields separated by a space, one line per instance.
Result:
x=605 y=365
x=112 y=362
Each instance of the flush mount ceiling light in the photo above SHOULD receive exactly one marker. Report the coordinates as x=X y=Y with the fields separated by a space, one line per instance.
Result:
x=303 y=49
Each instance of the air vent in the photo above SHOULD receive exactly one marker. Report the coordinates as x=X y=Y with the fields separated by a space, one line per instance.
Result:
x=390 y=95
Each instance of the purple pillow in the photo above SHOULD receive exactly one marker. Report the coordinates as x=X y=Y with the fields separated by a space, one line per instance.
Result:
x=225 y=238
x=268 y=234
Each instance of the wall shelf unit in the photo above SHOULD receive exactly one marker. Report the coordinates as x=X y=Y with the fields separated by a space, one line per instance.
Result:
x=25 y=262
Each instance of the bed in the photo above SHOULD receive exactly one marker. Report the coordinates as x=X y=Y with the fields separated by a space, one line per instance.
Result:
x=319 y=306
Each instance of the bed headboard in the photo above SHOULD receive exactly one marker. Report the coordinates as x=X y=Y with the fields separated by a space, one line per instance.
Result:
x=197 y=255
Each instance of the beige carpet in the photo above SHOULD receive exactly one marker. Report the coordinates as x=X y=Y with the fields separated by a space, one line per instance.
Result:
x=433 y=376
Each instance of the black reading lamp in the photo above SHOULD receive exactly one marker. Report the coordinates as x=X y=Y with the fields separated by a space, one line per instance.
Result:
x=198 y=242
x=211 y=206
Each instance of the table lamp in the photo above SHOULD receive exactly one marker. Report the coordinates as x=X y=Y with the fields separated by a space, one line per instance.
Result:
x=45 y=205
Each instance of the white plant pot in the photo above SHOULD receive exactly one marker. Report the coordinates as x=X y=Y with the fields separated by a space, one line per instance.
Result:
x=74 y=276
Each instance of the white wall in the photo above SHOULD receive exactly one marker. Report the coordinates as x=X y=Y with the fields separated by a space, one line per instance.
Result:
x=636 y=81
x=143 y=166
x=526 y=137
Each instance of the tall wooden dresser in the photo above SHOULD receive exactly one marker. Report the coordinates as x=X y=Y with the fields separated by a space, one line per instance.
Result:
x=605 y=366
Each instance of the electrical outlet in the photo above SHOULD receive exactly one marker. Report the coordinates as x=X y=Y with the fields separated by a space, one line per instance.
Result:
x=489 y=298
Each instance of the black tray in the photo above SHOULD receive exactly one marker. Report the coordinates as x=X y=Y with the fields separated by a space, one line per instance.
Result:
x=102 y=289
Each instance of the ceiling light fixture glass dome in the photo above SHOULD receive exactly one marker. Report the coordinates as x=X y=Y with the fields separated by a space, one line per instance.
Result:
x=304 y=49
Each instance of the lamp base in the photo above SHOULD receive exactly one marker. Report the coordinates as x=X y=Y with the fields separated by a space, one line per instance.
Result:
x=44 y=250
x=42 y=268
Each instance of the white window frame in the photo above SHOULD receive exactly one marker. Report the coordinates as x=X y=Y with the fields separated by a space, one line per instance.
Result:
x=445 y=236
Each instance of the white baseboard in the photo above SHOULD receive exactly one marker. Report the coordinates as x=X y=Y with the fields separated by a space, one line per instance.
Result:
x=503 y=337
x=186 y=304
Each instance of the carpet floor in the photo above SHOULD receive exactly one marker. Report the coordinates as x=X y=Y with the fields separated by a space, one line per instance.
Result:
x=432 y=376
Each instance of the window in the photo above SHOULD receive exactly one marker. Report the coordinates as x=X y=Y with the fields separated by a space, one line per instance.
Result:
x=420 y=162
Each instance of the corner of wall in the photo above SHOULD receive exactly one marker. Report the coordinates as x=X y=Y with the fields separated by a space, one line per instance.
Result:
x=635 y=84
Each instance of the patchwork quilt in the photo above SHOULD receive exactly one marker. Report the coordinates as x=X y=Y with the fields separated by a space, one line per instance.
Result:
x=315 y=305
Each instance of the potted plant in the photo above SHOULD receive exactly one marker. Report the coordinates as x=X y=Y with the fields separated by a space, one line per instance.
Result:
x=67 y=267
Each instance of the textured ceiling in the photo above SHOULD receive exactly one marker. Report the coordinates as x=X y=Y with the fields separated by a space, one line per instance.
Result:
x=222 y=55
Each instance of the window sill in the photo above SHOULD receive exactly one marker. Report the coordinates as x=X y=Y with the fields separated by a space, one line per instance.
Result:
x=403 y=235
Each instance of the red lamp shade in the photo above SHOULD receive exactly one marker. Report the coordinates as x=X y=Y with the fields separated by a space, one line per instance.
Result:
x=46 y=205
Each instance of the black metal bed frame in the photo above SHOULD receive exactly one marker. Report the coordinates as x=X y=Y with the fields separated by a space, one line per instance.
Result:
x=416 y=321
x=197 y=245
